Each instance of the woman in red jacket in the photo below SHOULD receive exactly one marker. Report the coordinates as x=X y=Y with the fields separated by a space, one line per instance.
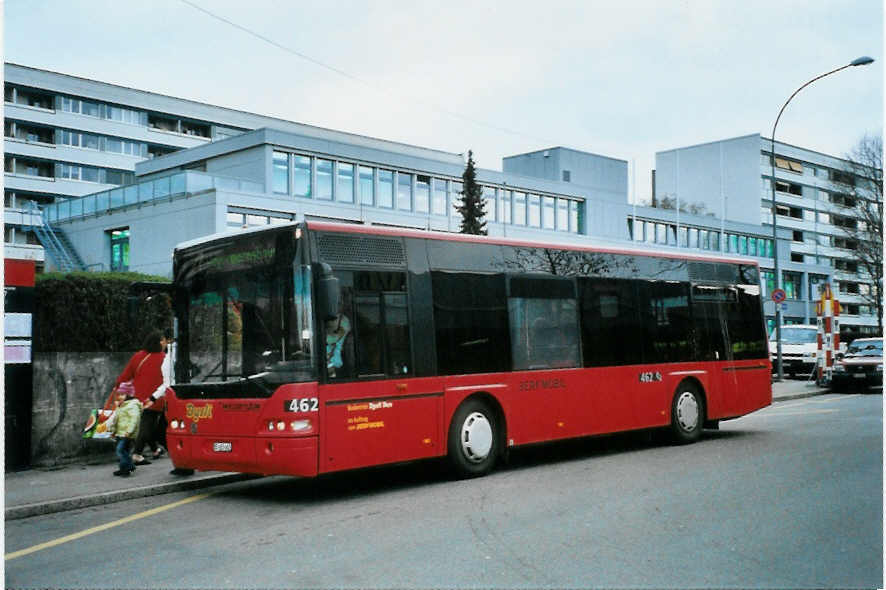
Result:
x=149 y=371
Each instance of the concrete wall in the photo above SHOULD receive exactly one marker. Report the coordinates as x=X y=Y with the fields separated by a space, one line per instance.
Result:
x=724 y=176
x=246 y=164
x=606 y=177
x=154 y=231
x=67 y=386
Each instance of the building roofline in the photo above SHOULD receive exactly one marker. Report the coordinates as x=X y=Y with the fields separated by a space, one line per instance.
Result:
x=798 y=147
x=560 y=147
x=232 y=110
x=762 y=138
x=706 y=143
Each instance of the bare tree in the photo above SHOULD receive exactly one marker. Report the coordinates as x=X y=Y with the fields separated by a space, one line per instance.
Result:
x=865 y=232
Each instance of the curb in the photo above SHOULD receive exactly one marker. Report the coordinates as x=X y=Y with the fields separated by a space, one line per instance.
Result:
x=52 y=506
x=801 y=395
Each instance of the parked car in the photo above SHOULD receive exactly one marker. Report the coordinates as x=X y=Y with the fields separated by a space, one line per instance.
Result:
x=861 y=367
x=799 y=349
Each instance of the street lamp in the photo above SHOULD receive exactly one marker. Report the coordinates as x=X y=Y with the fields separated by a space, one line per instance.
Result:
x=861 y=61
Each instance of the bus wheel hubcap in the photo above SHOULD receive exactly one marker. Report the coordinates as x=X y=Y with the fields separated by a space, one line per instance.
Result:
x=687 y=411
x=476 y=437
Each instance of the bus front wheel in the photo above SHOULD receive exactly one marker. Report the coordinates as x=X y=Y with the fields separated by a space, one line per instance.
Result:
x=687 y=414
x=473 y=439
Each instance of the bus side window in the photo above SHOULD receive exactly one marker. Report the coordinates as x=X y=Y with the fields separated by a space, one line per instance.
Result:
x=543 y=318
x=340 y=332
x=611 y=327
x=471 y=322
x=381 y=332
x=709 y=320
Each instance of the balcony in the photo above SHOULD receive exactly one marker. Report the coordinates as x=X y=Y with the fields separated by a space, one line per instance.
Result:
x=183 y=184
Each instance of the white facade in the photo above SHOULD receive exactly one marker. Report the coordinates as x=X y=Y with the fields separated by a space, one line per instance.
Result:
x=731 y=180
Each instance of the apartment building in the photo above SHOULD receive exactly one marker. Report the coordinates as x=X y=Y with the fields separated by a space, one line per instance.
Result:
x=815 y=197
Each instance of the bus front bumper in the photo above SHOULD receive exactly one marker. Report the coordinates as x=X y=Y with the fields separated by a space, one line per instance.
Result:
x=260 y=455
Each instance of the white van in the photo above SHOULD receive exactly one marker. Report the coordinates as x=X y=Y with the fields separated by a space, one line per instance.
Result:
x=799 y=349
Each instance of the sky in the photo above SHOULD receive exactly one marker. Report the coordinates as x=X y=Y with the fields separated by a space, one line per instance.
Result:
x=622 y=79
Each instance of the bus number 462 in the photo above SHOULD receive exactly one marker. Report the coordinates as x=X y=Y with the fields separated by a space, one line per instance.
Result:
x=650 y=377
x=305 y=404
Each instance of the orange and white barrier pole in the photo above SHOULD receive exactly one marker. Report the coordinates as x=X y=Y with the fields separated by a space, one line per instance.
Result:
x=828 y=311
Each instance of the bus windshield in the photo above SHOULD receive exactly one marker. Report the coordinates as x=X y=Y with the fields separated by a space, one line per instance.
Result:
x=247 y=318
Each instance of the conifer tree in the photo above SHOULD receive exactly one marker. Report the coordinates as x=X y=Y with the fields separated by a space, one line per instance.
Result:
x=472 y=207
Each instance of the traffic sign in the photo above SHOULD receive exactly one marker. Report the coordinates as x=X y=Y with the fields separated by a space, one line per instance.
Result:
x=778 y=295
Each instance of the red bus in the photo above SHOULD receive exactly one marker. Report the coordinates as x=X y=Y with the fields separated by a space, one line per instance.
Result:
x=317 y=347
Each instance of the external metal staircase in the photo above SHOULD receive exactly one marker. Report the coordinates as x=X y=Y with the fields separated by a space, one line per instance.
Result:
x=54 y=241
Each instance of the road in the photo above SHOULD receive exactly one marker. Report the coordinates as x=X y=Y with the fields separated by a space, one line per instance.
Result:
x=790 y=496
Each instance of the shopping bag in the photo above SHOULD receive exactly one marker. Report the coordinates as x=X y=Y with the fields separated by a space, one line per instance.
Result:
x=97 y=424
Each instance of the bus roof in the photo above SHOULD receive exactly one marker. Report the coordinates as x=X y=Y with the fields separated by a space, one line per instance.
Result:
x=355 y=228
x=385 y=230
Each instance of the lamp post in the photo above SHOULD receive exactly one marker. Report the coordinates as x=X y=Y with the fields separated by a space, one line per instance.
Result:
x=861 y=61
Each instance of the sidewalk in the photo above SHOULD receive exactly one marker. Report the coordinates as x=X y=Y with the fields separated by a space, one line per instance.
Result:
x=43 y=491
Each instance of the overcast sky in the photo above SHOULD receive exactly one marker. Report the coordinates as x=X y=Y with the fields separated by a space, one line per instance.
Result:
x=619 y=78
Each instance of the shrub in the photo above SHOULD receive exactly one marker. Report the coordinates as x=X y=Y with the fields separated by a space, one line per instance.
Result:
x=92 y=312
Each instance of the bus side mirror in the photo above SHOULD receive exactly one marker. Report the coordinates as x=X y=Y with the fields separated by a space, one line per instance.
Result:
x=328 y=293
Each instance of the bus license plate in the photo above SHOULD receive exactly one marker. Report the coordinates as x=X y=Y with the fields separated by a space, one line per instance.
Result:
x=222 y=447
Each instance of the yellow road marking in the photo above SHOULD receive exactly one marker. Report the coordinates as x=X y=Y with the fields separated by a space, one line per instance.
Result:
x=104 y=527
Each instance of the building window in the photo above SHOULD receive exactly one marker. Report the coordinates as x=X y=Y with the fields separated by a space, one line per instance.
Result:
x=789 y=165
x=455 y=189
x=567 y=176
x=281 y=172
x=767 y=281
x=505 y=200
x=519 y=208
x=784 y=210
x=796 y=257
x=119 y=249
x=842 y=221
x=792 y=283
x=847 y=287
x=842 y=177
x=562 y=215
x=798 y=236
x=733 y=243
x=324 y=179
x=302 y=179
x=534 y=210
x=789 y=187
x=162 y=123
x=422 y=193
x=816 y=283
x=27 y=97
x=547 y=213
x=845 y=243
x=344 y=190
x=404 y=191
x=123 y=115
x=386 y=189
x=438 y=203
x=842 y=200
x=367 y=186
x=196 y=129
x=577 y=214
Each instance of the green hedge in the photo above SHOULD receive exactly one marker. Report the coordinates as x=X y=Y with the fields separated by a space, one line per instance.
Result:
x=90 y=312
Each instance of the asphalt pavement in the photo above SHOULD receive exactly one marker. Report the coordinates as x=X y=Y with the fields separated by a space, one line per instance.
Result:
x=39 y=491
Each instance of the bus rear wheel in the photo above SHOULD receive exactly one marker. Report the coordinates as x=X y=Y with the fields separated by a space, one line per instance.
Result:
x=474 y=441
x=687 y=414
